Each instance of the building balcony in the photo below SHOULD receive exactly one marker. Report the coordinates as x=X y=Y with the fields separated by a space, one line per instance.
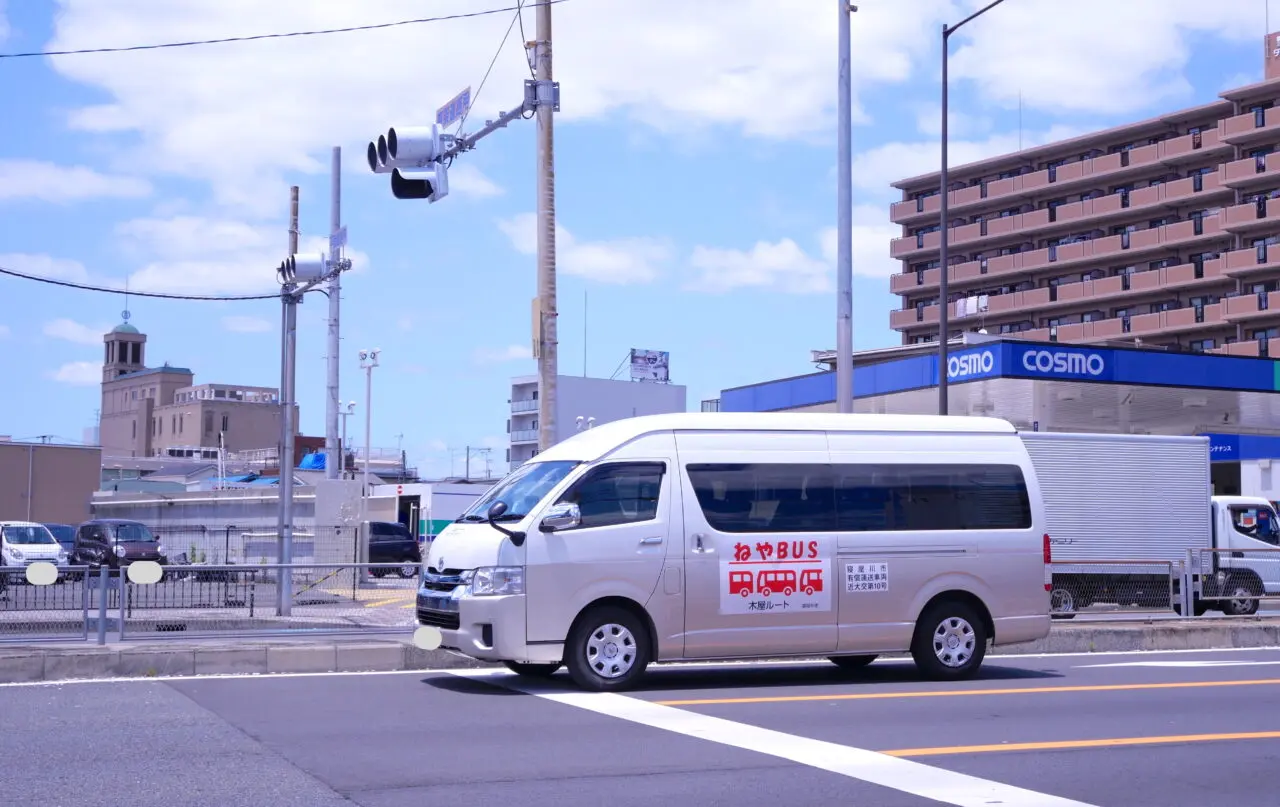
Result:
x=1252 y=216
x=1251 y=127
x=1252 y=307
x=524 y=406
x=1253 y=347
x=524 y=436
x=1203 y=189
x=1251 y=171
x=1127 y=248
x=1101 y=292
x=1109 y=169
x=1252 y=261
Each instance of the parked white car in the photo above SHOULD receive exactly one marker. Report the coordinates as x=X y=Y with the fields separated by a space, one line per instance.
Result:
x=23 y=543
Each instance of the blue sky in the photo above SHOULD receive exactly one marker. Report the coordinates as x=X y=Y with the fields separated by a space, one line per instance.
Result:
x=695 y=168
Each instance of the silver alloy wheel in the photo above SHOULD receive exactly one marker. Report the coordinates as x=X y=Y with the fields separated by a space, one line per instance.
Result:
x=1061 y=601
x=611 y=651
x=1241 y=599
x=954 y=642
x=408 y=570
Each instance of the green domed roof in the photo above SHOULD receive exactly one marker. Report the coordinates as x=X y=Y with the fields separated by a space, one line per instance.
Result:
x=125 y=327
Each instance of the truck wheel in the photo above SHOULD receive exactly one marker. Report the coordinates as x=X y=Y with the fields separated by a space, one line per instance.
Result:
x=532 y=670
x=1242 y=596
x=950 y=641
x=1062 y=603
x=608 y=649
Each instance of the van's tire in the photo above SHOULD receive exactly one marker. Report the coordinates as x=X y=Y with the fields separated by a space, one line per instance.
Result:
x=853 y=662
x=608 y=649
x=950 y=641
x=526 y=670
x=1247 y=589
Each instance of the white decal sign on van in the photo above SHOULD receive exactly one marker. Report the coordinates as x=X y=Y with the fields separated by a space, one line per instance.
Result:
x=778 y=577
x=860 y=577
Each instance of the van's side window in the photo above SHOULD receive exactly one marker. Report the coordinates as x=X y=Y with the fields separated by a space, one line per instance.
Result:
x=892 y=497
x=766 y=497
x=740 y=498
x=620 y=493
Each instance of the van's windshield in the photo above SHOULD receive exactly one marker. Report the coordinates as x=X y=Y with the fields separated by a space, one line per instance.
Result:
x=521 y=490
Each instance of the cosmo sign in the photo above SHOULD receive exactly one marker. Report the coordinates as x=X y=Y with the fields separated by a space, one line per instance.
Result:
x=1063 y=362
x=971 y=364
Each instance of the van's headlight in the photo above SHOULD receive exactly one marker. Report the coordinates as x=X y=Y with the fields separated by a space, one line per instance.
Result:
x=491 y=581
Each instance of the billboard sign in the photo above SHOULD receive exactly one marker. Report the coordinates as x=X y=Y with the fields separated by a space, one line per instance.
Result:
x=650 y=365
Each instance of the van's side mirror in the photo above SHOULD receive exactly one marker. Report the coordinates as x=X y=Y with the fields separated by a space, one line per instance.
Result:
x=496 y=511
x=561 y=517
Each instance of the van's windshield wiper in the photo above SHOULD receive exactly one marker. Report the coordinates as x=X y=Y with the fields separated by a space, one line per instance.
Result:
x=473 y=517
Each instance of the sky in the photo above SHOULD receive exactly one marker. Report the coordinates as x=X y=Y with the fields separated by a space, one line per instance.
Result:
x=695 y=169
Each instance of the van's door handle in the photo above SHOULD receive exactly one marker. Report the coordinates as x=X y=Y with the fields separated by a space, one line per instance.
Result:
x=653 y=539
x=697 y=543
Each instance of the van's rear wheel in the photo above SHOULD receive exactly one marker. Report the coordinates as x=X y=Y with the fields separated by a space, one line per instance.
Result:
x=950 y=641
x=527 y=670
x=852 y=662
x=608 y=649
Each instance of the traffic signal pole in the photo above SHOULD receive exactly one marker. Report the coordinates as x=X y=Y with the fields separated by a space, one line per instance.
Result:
x=288 y=376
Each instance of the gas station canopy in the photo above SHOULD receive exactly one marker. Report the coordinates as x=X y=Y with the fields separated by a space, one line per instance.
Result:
x=1050 y=386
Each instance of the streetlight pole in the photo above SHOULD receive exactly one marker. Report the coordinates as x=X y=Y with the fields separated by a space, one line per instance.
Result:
x=342 y=449
x=844 y=220
x=368 y=361
x=944 y=258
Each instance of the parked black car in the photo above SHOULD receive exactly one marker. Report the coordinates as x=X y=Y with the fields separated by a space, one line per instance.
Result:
x=115 y=543
x=390 y=542
x=65 y=535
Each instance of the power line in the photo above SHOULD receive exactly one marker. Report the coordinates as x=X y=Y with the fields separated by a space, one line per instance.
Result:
x=256 y=37
x=87 y=287
x=519 y=17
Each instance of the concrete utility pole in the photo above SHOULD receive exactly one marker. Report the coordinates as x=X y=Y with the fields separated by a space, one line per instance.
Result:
x=289 y=343
x=548 y=344
x=844 y=220
x=332 y=447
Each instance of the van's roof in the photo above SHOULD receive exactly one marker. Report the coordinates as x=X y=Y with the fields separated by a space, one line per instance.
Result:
x=590 y=445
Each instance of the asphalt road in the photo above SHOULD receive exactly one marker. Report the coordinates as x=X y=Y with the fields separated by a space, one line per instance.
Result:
x=1100 y=730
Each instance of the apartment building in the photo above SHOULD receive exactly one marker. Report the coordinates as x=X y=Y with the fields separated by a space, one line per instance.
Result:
x=1156 y=233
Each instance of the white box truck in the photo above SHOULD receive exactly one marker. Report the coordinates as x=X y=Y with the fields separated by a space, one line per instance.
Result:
x=1123 y=511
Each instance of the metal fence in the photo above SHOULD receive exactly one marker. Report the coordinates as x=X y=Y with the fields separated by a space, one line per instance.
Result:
x=42 y=610
x=257 y=545
x=1114 y=588
x=1238 y=582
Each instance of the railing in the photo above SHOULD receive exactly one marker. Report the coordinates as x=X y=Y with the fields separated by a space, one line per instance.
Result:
x=1114 y=587
x=524 y=406
x=524 y=436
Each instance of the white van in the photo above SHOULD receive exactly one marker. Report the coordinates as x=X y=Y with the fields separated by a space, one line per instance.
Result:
x=727 y=536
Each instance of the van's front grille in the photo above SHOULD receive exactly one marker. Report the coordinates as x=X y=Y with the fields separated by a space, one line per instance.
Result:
x=445 y=581
x=438 y=619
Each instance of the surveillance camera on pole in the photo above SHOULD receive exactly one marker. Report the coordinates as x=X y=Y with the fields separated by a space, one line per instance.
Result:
x=413 y=157
x=303 y=268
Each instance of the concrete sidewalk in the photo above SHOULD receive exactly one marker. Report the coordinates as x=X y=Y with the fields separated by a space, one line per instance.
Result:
x=393 y=652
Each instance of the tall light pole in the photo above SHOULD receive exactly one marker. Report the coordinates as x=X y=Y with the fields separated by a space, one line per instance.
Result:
x=944 y=319
x=844 y=221
x=342 y=450
x=368 y=361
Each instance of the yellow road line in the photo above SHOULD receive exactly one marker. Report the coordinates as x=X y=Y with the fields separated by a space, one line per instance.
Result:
x=947 y=693
x=1068 y=744
x=380 y=603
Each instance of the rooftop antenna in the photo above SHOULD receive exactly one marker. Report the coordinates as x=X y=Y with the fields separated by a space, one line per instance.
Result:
x=125 y=313
x=1019 y=119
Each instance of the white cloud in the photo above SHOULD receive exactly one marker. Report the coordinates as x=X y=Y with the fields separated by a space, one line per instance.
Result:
x=198 y=255
x=72 y=331
x=45 y=266
x=240 y=324
x=78 y=373
x=487 y=355
x=872 y=233
x=468 y=180
x=782 y=266
x=206 y=112
x=5 y=332
x=619 y=261
x=4 y=23
x=47 y=182
x=875 y=169
x=1102 y=57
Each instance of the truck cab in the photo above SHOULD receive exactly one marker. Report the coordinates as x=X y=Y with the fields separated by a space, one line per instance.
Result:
x=1244 y=564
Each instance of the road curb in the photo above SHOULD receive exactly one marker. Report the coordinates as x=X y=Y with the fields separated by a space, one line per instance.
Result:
x=34 y=663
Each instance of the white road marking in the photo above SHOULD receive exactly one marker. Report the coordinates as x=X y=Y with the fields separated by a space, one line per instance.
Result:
x=1195 y=664
x=659 y=669
x=899 y=774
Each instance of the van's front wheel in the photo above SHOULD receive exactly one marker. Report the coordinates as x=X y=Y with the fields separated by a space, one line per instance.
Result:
x=950 y=641
x=608 y=649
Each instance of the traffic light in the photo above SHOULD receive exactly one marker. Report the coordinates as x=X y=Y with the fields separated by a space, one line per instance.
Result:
x=411 y=154
x=303 y=268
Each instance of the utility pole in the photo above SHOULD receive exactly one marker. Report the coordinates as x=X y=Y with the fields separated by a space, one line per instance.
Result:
x=546 y=211
x=337 y=238
x=844 y=216
x=288 y=347
x=467 y=465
